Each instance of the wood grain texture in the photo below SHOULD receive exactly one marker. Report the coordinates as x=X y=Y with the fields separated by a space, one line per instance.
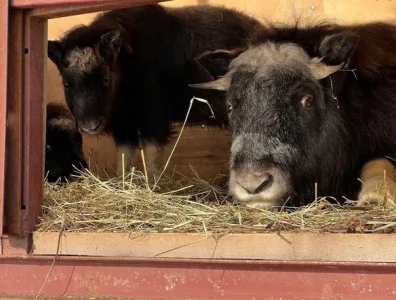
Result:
x=283 y=246
x=13 y=175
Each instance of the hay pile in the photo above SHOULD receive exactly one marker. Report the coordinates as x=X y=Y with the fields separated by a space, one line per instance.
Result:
x=190 y=205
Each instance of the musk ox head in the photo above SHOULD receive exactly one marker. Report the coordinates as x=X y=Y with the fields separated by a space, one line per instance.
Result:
x=91 y=74
x=283 y=117
x=63 y=153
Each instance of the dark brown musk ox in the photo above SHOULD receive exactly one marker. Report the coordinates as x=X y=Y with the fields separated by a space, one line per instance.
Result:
x=308 y=105
x=64 y=153
x=126 y=72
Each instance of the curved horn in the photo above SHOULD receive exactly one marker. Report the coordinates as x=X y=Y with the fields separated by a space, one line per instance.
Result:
x=321 y=70
x=221 y=84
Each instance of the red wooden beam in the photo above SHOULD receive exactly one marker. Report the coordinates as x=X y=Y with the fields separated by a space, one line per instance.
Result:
x=3 y=100
x=198 y=279
x=34 y=101
x=13 y=184
x=50 y=12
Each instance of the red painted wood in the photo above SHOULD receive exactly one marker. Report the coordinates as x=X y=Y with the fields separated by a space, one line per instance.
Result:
x=15 y=247
x=3 y=101
x=34 y=99
x=58 y=11
x=13 y=180
x=41 y=3
x=206 y=279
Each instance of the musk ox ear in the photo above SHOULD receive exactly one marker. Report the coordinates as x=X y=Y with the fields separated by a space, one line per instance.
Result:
x=112 y=42
x=338 y=48
x=221 y=84
x=217 y=62
x=55 y=52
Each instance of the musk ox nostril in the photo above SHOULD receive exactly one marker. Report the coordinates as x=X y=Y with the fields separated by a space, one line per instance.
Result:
x=256 y=182
x=264 y=184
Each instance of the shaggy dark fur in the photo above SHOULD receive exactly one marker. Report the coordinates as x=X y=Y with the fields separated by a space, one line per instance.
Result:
x=63 y=145
x=147 y=59
x=364 y=125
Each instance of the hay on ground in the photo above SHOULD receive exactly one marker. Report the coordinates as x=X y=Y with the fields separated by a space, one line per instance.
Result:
x=190 y=206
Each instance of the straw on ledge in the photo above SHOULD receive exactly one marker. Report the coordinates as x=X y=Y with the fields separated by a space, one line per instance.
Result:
x=189 y=205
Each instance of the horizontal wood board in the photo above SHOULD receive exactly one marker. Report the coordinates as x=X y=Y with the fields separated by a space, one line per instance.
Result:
x=282 y=246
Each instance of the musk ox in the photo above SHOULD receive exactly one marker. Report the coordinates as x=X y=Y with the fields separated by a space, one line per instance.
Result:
x=125 y=73
x=311 y=105
x=63 y=153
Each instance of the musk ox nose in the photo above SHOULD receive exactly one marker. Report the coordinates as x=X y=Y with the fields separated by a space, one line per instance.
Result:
x=254 y=182
x=91 y=125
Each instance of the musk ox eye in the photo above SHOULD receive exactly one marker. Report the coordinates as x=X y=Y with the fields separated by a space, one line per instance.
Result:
x=48 y=148
x=65 y=84
x=106 y=80
x=306 y=101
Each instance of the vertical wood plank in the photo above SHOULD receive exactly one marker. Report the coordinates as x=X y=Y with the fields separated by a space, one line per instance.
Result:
x=34 y=99
x=13 y=175
x=3 y=101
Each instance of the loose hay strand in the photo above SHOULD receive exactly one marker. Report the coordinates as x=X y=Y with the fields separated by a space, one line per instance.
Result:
x=181 y=132
x=55 y=258
x=144 y=167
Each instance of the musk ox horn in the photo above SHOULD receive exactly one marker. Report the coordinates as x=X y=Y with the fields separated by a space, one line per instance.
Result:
x=221 y=84
x=321 y=70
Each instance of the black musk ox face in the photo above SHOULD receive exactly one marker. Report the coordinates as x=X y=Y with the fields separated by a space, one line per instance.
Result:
x=275 y=117
x=63 y=153
x=281 y=120
x=91 y=76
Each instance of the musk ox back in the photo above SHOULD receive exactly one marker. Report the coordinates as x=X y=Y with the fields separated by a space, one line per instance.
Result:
x=123 y=74
x=310 y=106
x=64 y=151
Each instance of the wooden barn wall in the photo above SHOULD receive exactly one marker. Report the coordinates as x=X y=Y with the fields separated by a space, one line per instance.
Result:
x=203 y=149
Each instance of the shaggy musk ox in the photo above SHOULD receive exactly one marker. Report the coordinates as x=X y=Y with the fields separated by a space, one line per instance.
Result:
x=300 y=115
x=126 y=73
x=63 y=145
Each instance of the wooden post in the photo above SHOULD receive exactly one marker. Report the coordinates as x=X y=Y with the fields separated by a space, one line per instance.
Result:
x=34 y=100
x=13 y=182
x=3 y=100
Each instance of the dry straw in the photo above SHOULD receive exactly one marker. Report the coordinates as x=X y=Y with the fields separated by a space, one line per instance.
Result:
x=189 y=205
x=132 y=204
